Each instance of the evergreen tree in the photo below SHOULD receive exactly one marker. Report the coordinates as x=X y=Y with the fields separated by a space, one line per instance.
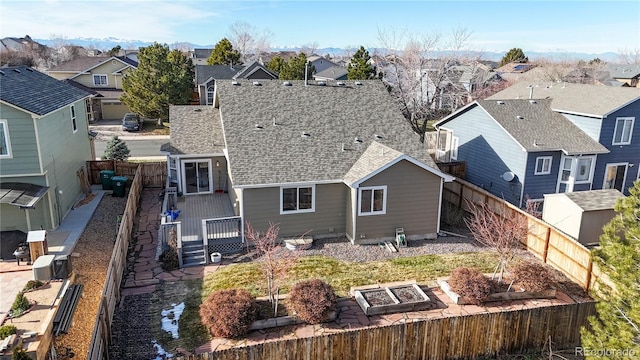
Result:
x=224 y=54
x=163 y=78
x=616 y=327
x=115 y=51
x=294 y=69
x=276 y=64
x=116 y=149
x=514 y=55
x=359 y=69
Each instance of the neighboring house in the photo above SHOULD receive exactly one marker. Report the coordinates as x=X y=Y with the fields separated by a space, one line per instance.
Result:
x=20 y=44
x=322 y=160
x=206 y=76
x=320 y=63
x=200 y=56
x=626 y=74
x=527 y=141
x=104 y=75
x=44 y=141
x=332 y=73
x=582 y=214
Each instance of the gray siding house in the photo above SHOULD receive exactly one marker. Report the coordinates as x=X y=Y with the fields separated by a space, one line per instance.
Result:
x=527 y=141
x=44 y=141
x=325 y=160
x=206 y=76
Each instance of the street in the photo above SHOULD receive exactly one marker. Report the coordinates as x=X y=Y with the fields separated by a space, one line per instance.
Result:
x=142 y=146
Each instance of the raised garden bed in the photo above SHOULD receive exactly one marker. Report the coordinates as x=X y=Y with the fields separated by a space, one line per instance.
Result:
x=386 y=299
x=499 y=296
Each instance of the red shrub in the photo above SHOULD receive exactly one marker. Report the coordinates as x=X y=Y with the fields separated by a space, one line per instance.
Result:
x=312 y=300
x=531 y=276
x=228 y=313
x=470 y=283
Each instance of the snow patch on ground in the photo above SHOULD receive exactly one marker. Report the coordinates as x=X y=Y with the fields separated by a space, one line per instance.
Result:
x=162 y=354
x=170 y=319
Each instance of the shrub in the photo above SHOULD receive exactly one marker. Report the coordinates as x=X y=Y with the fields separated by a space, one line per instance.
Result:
x=20 y=304
x=228 y=313
x=169 y=259
x=531 y=276
x=312 y=300
x=32 y=284
x=6 y=330
x=470 y=283
x=19 y=354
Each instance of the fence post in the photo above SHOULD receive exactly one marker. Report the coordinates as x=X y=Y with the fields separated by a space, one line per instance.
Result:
x=589 y=273
x=547 y=239
x=460 y=196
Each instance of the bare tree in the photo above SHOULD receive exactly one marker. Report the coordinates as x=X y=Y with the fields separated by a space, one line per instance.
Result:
x=250 y=42
x=499 y=229
x=629 y=56
x=309 y=48
x=421 y=74
x=275 y=261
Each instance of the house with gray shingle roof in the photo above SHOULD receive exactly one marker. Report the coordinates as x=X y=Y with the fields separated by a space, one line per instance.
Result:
x=322 y=159
x=44 y=141
x=103 y=75
x=331 y=73
x=206 y=76
x=547 y=138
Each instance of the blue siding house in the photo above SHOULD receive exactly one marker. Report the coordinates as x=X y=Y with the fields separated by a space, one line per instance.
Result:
x=531 y=140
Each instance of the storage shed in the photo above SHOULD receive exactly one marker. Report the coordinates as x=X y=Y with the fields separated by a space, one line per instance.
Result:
x=581 y=214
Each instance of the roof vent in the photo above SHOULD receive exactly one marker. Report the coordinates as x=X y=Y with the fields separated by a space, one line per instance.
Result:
x=256 y=83
x=235 y=83
x=533 y=102
x=29 y=69
x=378 y=136
x=358 y=83
x=16 y=70
x=519 y=117
x=306 y=135
x=340 y=83
x=259 y=127
x=321 y=83
x=274 y=122
x=500 y=102
x=286 y=83
x=2 y=73
x=357 y=140
x=197 y=110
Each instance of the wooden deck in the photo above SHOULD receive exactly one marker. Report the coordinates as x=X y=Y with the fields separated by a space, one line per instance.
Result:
x=194 y=208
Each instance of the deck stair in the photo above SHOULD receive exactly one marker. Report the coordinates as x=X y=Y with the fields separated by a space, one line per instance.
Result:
x=193 y=253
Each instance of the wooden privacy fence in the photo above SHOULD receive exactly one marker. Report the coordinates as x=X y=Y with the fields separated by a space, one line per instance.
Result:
x=459 y=337
x=101 y=336
x=545 y=242
x=153 y=174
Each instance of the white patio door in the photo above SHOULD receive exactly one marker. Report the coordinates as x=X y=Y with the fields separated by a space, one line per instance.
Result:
x=614 y=176
x=197 y=176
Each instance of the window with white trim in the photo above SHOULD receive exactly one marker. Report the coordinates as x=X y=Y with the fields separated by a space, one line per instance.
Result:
x=372 y=200
x=74 y=125
x=210 y=92
x=454 y=148
x=297 y=199
x=100 y=80
x=5 y=142
x=623 y=131
x=583 y=169
x=543 y=165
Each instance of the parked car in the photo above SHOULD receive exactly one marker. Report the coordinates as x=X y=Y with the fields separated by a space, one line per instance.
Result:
x=131 y=122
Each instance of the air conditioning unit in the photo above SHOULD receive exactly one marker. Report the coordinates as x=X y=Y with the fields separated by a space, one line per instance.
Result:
x=62 y=267
x=43 y=268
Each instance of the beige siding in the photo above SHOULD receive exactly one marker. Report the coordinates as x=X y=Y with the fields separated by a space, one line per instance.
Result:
x=413 y=198
x=562 y=213
x=592 y=223
x=349 y=214
x=114 y=110
x=108 y=68
x=262 y=205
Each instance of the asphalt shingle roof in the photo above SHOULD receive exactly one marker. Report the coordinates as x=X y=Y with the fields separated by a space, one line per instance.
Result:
x=595 y=199
x=375 y=157
x=618 y=71
x=252 y=67
x=538 y=128
x=574 y=98
x=195 y=129
x=218 y=72
x=36 y=92
x=334 y=116
x=334 y=72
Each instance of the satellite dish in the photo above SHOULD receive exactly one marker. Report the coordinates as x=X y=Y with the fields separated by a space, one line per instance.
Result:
x=508 y=176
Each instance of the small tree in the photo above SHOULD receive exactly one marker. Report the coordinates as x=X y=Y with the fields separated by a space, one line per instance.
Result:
x=116 y=149
x=499 y=230
x=359 y=67
x=224 y=54
x=514 y=55
x=294 y=70
x=617 y=323
x=276 y=64
x=275 y=262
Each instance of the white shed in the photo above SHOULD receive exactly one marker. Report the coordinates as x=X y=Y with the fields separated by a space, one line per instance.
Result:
x=581 y=214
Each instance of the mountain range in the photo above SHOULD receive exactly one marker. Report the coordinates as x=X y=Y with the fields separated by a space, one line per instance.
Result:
x=110 y=42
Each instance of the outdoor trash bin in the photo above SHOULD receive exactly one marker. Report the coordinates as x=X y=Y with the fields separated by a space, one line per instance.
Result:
x=119 y=183
x=105 y=178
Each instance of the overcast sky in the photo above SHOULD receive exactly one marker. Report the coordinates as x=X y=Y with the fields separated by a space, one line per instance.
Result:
x=569 y=26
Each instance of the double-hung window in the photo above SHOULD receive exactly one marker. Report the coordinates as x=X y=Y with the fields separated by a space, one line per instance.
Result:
x=74 y=125
x=5 y=143
x=623 y=131
x=543 y=165
x=100 y=80
x=372 y=200
x=297 y=199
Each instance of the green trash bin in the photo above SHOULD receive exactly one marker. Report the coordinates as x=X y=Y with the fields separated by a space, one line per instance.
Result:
x=105 y=178
x=119 y=183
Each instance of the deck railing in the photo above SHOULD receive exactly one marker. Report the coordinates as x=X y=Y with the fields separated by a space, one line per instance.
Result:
x=222 y=235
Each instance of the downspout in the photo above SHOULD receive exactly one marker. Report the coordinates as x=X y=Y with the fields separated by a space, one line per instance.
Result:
x=354 y=213
x=526 y=161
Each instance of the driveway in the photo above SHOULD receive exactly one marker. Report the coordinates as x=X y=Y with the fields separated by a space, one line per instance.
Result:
x=143 y=145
